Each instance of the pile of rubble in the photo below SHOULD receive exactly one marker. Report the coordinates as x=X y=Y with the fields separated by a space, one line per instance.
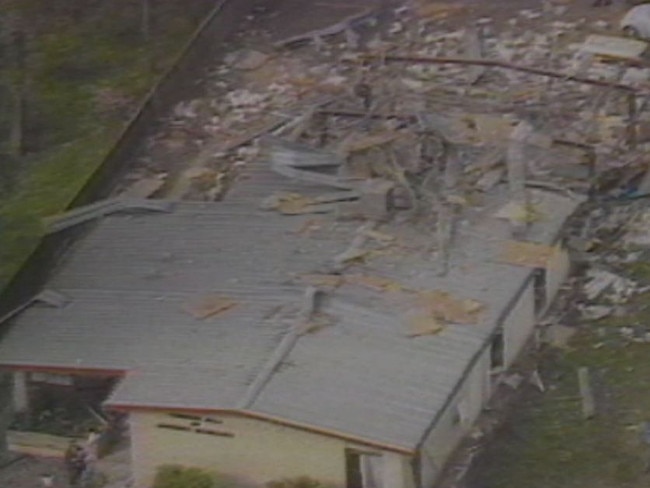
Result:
x=409 y=79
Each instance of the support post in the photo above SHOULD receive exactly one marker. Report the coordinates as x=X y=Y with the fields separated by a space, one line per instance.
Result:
x=632 y=121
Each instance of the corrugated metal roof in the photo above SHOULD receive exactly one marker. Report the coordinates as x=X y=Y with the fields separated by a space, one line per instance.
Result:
x=130 y=277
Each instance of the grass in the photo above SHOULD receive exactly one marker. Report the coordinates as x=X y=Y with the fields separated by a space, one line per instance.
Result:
x=47 y=189
x=549 y=445
x=74 y=64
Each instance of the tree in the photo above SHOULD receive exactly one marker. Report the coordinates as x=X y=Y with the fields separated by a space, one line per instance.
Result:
x=13 y=42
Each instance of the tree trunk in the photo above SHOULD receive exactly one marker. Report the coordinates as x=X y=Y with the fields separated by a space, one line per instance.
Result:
x=145 y=26
x=16 y=136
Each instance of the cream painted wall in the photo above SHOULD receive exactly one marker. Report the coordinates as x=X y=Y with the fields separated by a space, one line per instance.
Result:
x=259 y=452
x=519 y=325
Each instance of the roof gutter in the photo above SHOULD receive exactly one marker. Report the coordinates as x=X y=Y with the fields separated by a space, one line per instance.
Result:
x=127 y=407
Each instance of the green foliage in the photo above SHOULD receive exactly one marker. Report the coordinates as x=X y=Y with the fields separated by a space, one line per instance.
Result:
x=547 y=443
x=49 y=186
x=171 y=476
x=86 y=67
x=300 y=482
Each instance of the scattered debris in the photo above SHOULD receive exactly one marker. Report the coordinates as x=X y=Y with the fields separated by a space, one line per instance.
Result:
x=248 y=60
x=595 y=312
x=536 y=380
x=600 y=281
x=514 y=380
x=346 y=26
x=637 y=334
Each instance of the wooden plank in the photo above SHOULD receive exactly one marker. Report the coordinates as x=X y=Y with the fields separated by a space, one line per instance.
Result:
x=614 y=47
x=586 y=393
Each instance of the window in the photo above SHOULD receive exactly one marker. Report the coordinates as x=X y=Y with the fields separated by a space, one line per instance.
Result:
x=497 y=350
x=196 y=424
x=539 y=289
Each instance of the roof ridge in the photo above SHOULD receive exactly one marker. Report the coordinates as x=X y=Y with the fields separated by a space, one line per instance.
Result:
x=308 y=308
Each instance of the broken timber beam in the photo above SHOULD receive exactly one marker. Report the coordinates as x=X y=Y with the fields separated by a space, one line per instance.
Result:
x=587 y=394
x=495 y=63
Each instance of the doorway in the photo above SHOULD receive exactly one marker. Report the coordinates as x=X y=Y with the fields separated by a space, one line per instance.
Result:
x=363 y=469
x=539 y=289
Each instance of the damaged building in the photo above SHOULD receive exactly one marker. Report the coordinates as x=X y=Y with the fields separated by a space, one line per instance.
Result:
x=348 y=308
x=316 y=322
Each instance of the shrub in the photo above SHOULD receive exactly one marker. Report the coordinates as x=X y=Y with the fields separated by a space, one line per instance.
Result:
x=300 y=482
x=170 y=476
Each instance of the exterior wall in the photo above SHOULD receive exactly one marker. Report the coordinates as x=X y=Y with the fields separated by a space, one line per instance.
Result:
x=519 y=325
x=456 y=421
x=557 y=270
x=258 y=452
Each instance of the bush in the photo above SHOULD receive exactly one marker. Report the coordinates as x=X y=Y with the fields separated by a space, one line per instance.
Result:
x=301 y=482
x=180 y=477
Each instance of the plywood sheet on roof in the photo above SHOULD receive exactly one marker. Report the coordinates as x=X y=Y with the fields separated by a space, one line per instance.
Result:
x=446 y=307
x=423 y=325
x=208 y=306
x=377 y=283
x=527 y=254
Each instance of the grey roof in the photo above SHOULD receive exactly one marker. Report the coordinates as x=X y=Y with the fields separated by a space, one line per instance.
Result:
x=129 y=279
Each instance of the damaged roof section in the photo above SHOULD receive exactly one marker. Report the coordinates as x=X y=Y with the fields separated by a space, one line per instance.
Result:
x=216 y=292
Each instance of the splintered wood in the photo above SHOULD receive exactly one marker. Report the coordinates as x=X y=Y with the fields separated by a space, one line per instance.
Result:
x=356 y=143
x=527 y=254
x=292 y=204
x=209 y=306
x=439 y=308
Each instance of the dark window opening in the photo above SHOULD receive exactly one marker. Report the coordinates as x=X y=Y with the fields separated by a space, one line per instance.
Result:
x=497 y=350
x=196 y=420
x=173 y=427
x=539 y=288
x=197 y=430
